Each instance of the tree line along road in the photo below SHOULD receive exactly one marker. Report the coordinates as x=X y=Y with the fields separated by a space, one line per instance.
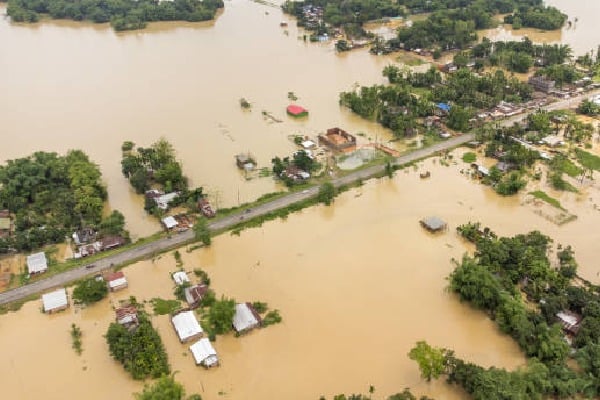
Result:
x=157 y=246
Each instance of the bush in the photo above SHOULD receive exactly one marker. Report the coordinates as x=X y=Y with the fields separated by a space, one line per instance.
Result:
x=271 y=318
x=90 y=291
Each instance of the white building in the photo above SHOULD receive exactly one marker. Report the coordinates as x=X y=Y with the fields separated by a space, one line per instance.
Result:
x=180 y=277
x=163 y=201
x=186 y=325
x=55 y=301
x=245 y=318
x=204 y=353
x=37 y=263
x=116 y=281
x=169 y=222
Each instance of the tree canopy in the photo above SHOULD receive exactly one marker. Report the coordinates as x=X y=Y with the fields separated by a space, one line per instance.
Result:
x=90 y=290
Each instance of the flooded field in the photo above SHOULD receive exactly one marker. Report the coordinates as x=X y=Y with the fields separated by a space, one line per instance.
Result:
x=357 y=284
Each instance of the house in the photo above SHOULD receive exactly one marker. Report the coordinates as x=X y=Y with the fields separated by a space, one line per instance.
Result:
x=433 y=224
x=180 y=277
x=183 y=222
x=480 y=170
x=205 y=208
x=296 y=111
x=55 y=301
x=308 y=144
x=37 y=263
x=194 y=294
x=111 y=242
x=164 y=200
x=442 y=108
x=5 y=223
x=432 y=121
x=294 y=173
x=204 y=353
x=570 y=321
x=169 y=222
x=127 y=316
x=245 y=161
x=83 y=236
x=541 y=84
x=186 y=326
x=553 y=141
x=338 y=139
x=449 y=67
x=246 y=318
x=116 y=281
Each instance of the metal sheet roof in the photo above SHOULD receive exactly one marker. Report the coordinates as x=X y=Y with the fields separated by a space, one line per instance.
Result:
x=204 y=353
x=244 y=318
x=37 y=263
x=186 y=325
x=55 y=300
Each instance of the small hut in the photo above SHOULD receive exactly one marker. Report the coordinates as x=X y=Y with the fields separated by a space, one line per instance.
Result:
x=433 y=224
x=297 y=111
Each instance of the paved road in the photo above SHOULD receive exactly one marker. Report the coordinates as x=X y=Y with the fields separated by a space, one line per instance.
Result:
x=155 y=247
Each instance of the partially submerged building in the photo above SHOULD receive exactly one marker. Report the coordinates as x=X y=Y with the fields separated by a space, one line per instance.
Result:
x=169 y=223
x=433 y=224
x=116 y=281
x=186 y=326
x=297 y=111
x=204 y=354
x=37 y=263
x=245 y=161
x=127 y=316
x=205 y=208
x=195 y=294
x=337 y=139
x=246 y=318
x=55 y=301
x=180 y=277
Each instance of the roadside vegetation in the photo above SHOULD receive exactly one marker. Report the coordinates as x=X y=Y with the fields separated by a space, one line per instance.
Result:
x=90 y=290
x=49 y=196
x=122 y=14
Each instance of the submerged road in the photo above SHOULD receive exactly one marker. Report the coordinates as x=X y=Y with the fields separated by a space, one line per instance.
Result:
x=155 y=247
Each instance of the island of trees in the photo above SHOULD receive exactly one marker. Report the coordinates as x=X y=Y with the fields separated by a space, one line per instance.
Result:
x=122 y=14
x=50 y=196
x=528 y=294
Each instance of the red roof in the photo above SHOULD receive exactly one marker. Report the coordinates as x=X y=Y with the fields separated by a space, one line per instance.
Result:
x=296 y=110
x=114 y=276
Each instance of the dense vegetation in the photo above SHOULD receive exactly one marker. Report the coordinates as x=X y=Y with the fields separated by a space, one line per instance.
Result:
x=90 y=290
x=157 y=167
x=122 y=14
x=50 y=196
x=547 y=18
x=165 y=388
x=517 y=56
x=140 y=350
x=516 y=283
x=300 y=160
x=399 y=108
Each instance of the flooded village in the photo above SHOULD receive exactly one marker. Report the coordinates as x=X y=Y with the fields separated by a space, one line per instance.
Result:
x=357 y=283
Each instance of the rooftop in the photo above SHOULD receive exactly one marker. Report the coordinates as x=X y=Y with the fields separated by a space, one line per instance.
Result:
x=204 y=353
x=433 y=223
x=55 y=300
x=180 y=277
x=245 y=317
x=186 y=325
x=37 y=263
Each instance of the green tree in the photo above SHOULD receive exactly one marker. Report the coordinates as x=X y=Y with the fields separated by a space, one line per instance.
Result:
x=165 y=388
x=202 y=231
x=220 y=315
x=90 y=290
x=432 y=361
x=327 y=193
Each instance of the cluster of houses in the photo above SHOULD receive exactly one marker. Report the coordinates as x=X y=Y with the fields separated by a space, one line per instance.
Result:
x=161 y=199
x=312 y=16
x=87 y=243
x=58 y=300
x=188 y=329
x=179 y=222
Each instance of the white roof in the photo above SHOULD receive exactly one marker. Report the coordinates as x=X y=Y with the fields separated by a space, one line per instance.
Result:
x=55 y=300
x=169 y=222
x=568 y=318
x=180 y=277
x=37 y=262
x=115 y=283
x=244 y=318
x=186 y=325
x=307 y=144
x=552 y=140
x=483 y=170
x=204 y=353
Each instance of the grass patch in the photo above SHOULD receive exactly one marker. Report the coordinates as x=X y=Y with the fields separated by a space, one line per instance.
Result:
x=588 y=160
x=469 y=157
x=538 y=194
x=164 y=307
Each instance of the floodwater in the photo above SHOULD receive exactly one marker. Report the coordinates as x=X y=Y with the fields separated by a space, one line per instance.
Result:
x=68 y=85
x=582 y=35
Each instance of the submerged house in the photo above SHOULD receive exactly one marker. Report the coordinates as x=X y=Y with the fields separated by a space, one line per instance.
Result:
x=180 y=277
x=194 y=294
x=186 y=326
x=116 y=281
x=337 y=139
x=246 y=318
x=433 y=224
x=245 y=161
x=55 y=301
x=37 y=263
x=296 y=111
x=127 y=316
x=204 y=354
x=205 y=208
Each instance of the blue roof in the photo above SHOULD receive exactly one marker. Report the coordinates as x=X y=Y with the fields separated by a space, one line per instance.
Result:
x=443 y=106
